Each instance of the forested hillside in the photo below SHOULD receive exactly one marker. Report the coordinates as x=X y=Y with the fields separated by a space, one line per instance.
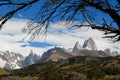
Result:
x=77 y=68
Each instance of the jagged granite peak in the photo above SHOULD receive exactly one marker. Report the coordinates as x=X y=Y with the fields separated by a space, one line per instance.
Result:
x=108 y=52
x=90 y=44
x=30 y=59
x=31 y=53
x=77 y=46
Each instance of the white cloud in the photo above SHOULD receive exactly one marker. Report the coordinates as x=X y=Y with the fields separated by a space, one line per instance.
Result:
x=11 y=37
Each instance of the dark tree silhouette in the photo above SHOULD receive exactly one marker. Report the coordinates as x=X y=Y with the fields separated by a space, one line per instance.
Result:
x=102 y=15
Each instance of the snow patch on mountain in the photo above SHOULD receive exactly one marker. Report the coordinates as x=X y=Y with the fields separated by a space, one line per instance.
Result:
x=2 y=63
x=10 y=60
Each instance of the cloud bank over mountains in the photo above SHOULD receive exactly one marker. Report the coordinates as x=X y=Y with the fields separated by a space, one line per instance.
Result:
x=11 y=38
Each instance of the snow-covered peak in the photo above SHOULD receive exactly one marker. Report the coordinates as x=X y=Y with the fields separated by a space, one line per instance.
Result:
x=90 y=44
x=10 y=60
x=2 y=63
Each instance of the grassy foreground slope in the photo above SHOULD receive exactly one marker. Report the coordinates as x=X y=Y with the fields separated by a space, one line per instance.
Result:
x=77 y=68
x=3 y=72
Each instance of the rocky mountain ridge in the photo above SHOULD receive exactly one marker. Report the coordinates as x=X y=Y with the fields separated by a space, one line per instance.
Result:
x=111 y=53
x=11 y=60
x=30 y=59
x=89 y=48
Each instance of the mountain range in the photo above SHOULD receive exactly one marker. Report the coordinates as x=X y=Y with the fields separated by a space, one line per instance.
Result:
x=89 y=48
x=11 y=60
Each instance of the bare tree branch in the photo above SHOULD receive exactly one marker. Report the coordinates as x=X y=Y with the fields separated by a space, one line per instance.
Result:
x=6 y=17
x=71 y=10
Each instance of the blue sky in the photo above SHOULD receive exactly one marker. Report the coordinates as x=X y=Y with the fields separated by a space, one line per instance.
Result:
x=39 y=44
x=58 y=34
x=26 y=13
x=32 y=10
